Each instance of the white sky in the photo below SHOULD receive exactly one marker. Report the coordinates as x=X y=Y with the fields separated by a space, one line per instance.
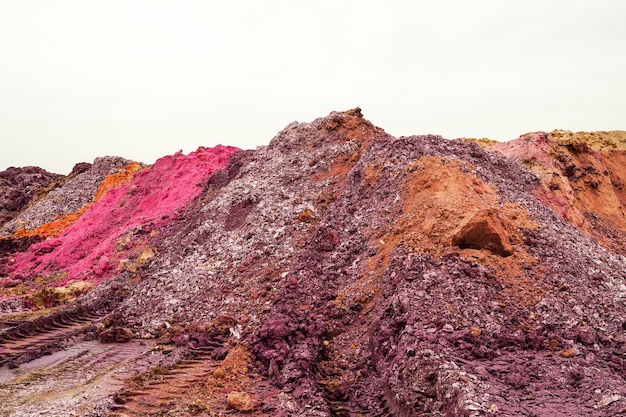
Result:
x=143 y=79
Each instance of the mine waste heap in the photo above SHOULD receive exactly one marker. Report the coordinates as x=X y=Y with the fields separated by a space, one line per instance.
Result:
x=338 y=271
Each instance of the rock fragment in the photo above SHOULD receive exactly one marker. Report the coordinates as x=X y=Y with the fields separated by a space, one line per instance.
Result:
x=115 y=335
x=240 y=401
x=484 y=230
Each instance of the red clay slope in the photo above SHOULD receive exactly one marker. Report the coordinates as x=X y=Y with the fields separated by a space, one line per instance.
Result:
x=582 y=178
x=91 y=247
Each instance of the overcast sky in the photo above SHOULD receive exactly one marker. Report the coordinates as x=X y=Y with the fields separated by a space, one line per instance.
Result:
x=143 y=79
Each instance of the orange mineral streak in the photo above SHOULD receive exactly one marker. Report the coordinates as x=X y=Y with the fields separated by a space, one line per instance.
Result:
x=340 y=130
x=53 y=228
x=118 y=178
x=445 y=206
x=56 y=227
x=202 y=386
x=582 y=178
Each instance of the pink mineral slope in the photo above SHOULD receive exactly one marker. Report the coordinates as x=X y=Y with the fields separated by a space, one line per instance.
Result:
x=91 y=248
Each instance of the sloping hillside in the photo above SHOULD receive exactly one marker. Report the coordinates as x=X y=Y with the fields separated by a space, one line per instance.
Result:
x=338 y=271
x=582 y=178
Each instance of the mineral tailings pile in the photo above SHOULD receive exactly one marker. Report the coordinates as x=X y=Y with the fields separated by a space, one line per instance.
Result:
x=583 y=178
x=20 y=186
x=338 y=271
x=65 y=200
x=95 y=236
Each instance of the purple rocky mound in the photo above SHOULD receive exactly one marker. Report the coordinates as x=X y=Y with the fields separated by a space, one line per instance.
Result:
x=338 y=271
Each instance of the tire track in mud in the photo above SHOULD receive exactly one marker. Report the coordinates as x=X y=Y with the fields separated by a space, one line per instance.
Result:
x=49 y=365
x=163 y=389
x=167 y=389
x=77 y=378
x=27 y=340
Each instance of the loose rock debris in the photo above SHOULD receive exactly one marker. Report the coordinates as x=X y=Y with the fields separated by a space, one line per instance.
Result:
x=338 y=271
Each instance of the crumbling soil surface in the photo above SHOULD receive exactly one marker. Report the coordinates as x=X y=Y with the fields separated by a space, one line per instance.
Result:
x=582 y=179
x=68 y=196
x=339 y=271
x=20 y=186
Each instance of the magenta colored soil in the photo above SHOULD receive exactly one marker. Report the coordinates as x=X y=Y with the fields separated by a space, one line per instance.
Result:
x=87 y=249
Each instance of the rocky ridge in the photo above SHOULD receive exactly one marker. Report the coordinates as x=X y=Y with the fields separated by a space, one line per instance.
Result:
x=20 y=186
x=77 y=190
x=338 y=271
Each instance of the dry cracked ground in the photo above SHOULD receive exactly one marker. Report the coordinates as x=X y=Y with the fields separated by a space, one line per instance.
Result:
x=338 y=271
